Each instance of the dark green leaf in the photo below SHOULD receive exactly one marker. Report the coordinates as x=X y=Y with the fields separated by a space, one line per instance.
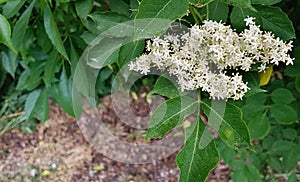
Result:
x=83 y=7
x=50 y=67
x=5 y=33
x=163 y=9
x=283 y=113
x=265 y=2
x=20 y=28
x=30 y=79
x=130 y=51
x=64 y=93
x=202 y=2
x=74 y=58
x=165 y=87
x=9 y=62
x=270 y=18
x=282 y=96
x=11 y=8
x=218 y=11
x=293 y=70
x=52 y=31
x=195 y=163
x=233 y=129
x=168 y=115
x=290 y=133
x=31 y=102
x=102 y=21
x=134 y=5
x=42 y=38
x=239 y=3
x=119 y=6
x=297 y=83
x=42 y=106
x=259 y=126
x=253 y=83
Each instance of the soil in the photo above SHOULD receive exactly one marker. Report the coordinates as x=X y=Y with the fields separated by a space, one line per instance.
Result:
x=58 y=151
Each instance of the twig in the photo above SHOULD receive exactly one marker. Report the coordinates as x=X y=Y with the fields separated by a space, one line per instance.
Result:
x=12 y=115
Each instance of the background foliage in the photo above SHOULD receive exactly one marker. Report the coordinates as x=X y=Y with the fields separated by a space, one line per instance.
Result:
x=42 y=40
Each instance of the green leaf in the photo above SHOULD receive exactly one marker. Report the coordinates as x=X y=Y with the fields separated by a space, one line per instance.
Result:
x=130 y=51
x=265 y=2
x=239 y=3
x=30 y=79
x=5 y=33
x=282 y=96
x=50 y=67
x=233 y=129
x=163 y=9
x=292 y=177
x=281 y=146
x=9 y=62
x=168 y=115
x=11 y=8
x=42 y=38
x=270 y=18
x=83 y=7
x=251 y=173
x=119 y=6
x=228 y=155
x=20 y=27
x=63 y=93
x=105 y=52
x=253 y=83
x=134 y=5
x=293 y=70
x=195 y=163
x=297 y=83
x=2 y=77
x=290 y=133
x=201 y=2
x=42 y=106
x=52 y=32
x=275 y=163
x=165 y=87
x=283 y=113
x=289 y=162
x=218 y=11
x=259 y=126
x=237 y=164
x=74 y=58
x=31 y=102
x=102 y=21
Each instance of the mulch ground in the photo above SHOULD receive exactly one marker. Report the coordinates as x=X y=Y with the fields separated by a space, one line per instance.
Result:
x=58 y=151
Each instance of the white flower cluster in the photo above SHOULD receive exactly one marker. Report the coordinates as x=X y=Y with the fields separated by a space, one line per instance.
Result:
x=202 y=57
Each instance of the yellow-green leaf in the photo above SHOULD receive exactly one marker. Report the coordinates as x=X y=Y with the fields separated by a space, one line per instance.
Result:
x=264 y=77
x=99 y=168
x=45 y=173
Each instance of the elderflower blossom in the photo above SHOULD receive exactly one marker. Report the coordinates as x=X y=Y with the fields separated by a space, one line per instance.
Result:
x=205 y=56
